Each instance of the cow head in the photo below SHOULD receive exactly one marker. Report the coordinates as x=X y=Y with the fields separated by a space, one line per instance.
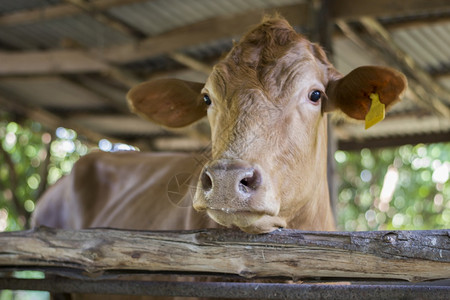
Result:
x=267 y=102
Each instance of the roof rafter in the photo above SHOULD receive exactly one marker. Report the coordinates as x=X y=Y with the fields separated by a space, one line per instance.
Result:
x=52 y=121
x=59 y=11
x=60 y=61
x=340 y=9
x=97 y=13
x=191 y=63
x=81 y=61
x=354 y=10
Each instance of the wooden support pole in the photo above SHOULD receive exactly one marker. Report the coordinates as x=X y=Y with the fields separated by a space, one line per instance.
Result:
x=321 y=31
x=407 y=255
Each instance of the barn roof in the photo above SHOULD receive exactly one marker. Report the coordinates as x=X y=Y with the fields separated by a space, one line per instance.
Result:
x=70 y=62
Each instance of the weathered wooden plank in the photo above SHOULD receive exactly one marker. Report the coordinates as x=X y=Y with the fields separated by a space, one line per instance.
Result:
x=50 y=62
x=409 y=255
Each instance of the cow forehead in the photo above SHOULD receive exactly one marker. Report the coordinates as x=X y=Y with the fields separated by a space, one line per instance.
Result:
x=297 y=68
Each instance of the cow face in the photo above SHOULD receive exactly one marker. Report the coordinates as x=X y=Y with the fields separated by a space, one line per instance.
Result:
x=266 y=103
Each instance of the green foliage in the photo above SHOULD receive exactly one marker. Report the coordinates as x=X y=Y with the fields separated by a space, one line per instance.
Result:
x=394 y=188
x=30 y=160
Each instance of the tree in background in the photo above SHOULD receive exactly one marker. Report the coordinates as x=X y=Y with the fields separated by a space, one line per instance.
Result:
x=31 y=159
x=394 y=188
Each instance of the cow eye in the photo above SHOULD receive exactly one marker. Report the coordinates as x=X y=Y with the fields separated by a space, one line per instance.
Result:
x=206 y=99
x=315 y=96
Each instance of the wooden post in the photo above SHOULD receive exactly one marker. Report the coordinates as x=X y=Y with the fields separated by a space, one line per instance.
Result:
x=321 y=29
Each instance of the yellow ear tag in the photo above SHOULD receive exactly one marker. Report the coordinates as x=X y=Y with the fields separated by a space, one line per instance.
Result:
x=376 y=112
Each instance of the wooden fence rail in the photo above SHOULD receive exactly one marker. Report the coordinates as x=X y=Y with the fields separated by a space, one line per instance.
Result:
x=408 y=255
x=97 y=253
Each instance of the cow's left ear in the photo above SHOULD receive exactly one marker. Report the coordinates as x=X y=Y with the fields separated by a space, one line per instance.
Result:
x=168 y=102
x=351 y=93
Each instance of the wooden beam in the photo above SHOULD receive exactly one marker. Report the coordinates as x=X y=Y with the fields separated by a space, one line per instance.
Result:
x=82 y=61
x=199 y=33
x=57 y=11
x=50 y=62
x=394 y=141
x=340 y=9
x=419 y=21
x=97 y=60
x=52 y=121
x=409 y=255
x=354 y=10
x=62 y=62
x=427 y=86
x=95 y=12
x=191 y=63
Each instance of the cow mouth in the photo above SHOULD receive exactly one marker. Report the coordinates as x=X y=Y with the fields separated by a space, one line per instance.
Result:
x=250 y=222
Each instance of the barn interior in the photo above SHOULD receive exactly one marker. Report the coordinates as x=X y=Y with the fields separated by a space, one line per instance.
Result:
x=70 y=63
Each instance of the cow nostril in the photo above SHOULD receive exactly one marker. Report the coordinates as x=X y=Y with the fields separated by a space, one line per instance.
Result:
x=250 y=182
x=206 y=181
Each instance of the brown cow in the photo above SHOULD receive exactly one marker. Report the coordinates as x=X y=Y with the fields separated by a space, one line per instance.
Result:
x=267 y=104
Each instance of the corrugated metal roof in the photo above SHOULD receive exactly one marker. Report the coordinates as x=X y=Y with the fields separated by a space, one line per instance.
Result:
x=21 y=5
x=359 y=57
x=78 y=30
x=155 y=17
x=426 y=42
x=432 y=52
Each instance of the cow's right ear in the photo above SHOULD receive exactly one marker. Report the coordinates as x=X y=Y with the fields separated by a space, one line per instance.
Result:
x=168 y=102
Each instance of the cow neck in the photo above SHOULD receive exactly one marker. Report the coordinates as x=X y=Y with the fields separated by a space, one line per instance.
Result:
x=316 y=212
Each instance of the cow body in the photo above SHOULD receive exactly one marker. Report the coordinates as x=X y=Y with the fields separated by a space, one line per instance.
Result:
x=267 y=103
x=128 y=190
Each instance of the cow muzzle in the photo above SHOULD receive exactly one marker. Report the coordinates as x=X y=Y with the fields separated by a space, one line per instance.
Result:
x=235 y=192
